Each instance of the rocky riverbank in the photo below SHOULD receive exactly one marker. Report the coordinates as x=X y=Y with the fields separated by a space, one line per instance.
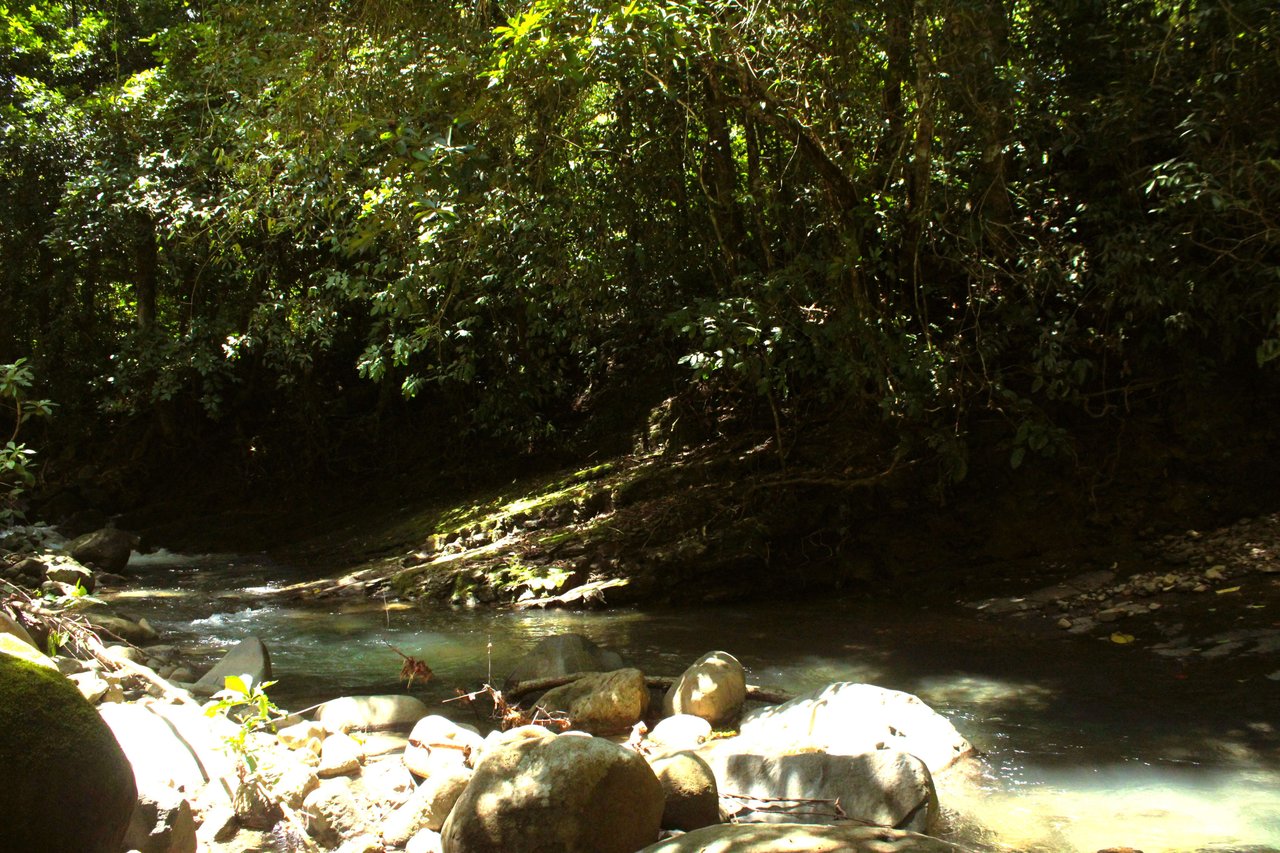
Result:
x=596 y=758
x=600 y=762
x=1196 y=597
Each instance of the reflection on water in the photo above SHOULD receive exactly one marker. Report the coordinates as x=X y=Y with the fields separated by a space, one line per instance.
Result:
x=1087 y=745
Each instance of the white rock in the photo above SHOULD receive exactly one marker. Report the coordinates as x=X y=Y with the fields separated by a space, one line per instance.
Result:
x=333 y=812
x=174 y=746
x=340 y=755
x=437 y=741
x=302 y=735
x=683 y=731
x=885 y=787
x=369 y=713
x=425 y=841
x=846 y=718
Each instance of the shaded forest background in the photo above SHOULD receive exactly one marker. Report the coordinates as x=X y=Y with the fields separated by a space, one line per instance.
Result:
x=289 y=241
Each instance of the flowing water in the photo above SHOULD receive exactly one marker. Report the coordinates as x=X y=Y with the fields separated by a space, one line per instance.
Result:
x=1086 y=745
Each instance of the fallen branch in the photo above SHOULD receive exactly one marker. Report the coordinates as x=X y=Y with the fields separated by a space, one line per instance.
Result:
x=512 y=715
x=823 y=808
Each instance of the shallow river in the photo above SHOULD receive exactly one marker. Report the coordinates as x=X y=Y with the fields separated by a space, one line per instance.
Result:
x=1086 y=745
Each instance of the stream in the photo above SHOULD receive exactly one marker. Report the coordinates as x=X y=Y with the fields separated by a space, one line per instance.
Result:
x=1086 y=745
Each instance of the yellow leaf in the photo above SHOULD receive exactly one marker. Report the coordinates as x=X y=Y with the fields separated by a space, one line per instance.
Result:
x=1228 y=589
x=1120 y=638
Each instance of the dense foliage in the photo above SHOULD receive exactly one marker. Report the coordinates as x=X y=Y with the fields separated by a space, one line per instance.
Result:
x=271 y=221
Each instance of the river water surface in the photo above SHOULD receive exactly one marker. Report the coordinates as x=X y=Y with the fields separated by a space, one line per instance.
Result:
x=1086 y=745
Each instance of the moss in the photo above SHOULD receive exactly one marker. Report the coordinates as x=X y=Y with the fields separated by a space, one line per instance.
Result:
x=71 y=787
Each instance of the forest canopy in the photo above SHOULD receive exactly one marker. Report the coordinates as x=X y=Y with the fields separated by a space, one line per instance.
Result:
x=274 y=223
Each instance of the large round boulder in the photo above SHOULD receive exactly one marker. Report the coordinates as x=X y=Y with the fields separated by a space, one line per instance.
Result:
x=535 y=791
x=690 y=790
x=885 y=788
x=563 y=654
x=714 y=689
x=602 y=703
x=59 y=759
x=850 y=718
x=106 y=550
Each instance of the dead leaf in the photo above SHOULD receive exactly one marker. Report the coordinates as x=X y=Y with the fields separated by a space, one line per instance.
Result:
x=1120 y=638
x=1227 y=590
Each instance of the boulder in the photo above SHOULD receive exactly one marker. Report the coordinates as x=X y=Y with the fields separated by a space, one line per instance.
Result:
x=683 y=731
x=425 y=841
x=117 y=627
x=437 y=742
x=308 y=735
x=535 y=791
x=13 y=646
x=773 y=838
x=333 y=812
x=162 y=826
x=71 y=573
x=427 y=807
x=247 y=657
x=288 y=781
x=850 y=719
x=602 y=703
x=370 y=713
x=886 y=787
x=175 y=747
x=689 y=789
x=713 y=688
x=563 y=654
x=69 y=786
x=387 y=782
x=340 y=755
x=107 y=549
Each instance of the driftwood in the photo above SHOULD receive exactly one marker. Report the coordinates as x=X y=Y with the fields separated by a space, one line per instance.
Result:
x=538 y=685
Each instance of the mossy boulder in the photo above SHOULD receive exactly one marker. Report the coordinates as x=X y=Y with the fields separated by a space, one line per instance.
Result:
x=70 y=788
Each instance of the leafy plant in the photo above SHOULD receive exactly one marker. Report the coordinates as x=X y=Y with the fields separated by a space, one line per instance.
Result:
x=248 y=704
x=17 y=466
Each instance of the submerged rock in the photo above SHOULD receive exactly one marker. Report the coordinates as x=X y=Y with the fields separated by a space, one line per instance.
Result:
x=563 y=654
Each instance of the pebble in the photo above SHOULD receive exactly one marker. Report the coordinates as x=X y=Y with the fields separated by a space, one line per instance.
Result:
x=1064 y=623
